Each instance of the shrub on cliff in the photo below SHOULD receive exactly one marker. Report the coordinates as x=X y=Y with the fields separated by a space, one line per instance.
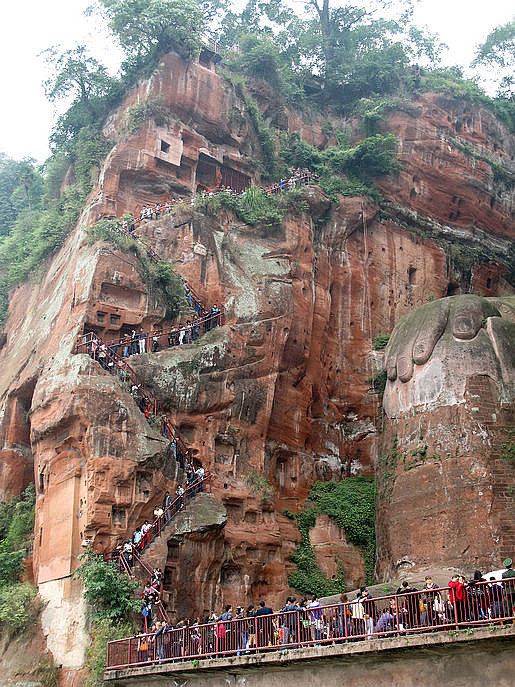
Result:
x=16 y=531
x=102 y=632
x=18 y=608
x=109 y=592
x=254 y=207
x=351 y=504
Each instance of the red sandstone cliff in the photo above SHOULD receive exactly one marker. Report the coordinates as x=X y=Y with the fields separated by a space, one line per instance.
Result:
x=282 y=388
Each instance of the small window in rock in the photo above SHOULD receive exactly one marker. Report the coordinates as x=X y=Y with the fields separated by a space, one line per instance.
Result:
x=42 y=482
x=488 y=283
x=165 y=147
x=453 y=289
x=173 y=551
x=412 y=271
x=115 y=319
x=101 y=316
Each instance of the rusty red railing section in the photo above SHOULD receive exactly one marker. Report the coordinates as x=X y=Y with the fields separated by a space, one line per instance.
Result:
x=483 y=603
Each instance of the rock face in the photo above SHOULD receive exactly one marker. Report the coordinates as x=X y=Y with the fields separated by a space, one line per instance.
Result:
x=446 y=481
x=280 y=396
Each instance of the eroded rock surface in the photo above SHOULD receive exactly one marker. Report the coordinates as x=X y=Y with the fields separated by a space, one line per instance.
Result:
x=284 y=389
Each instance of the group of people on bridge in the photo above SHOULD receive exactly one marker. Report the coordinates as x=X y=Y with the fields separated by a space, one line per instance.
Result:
x=255 y=629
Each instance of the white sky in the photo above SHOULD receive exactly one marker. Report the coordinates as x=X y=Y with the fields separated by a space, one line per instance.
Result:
x=30 y=26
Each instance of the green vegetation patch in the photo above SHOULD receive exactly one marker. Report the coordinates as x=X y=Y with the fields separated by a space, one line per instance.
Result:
x=259 y=484
x=18 y=604
x=137 y=115
x=351 y=505
x=102 y=632
x=380 y=341
x=109 y=592
x=254 y=207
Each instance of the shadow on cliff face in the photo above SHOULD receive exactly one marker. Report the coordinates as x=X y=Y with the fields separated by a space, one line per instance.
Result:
x=16 y=458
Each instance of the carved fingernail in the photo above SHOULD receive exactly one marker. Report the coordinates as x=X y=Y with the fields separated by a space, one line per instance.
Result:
x=421 y=352
x=464 y=327
x=404 y=368
x=391 y=370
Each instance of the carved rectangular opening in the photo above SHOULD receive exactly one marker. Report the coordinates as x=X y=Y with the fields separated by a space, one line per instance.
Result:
x=143 y=483
x=173 y=551
x=101 y=316
x=251 y=517
x=224 y=452
x=115 y=319
x=207 y=172
x=231 y=178
x=118 y=517
x=165 y=147
x=170 y=577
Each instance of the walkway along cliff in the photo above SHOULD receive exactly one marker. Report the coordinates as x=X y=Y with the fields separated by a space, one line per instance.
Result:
x=281 y=395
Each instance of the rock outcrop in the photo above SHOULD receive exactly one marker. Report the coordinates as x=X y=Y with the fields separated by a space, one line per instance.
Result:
x=445 y=496
x=280 y=396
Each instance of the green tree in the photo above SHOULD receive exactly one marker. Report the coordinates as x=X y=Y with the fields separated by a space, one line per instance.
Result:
x=498 y=52
x=21 y=187
x=78 y=74
x=150 y=28
x=109 y=592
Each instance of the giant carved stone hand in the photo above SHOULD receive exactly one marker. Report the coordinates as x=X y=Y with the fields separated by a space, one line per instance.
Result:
x=437 y=347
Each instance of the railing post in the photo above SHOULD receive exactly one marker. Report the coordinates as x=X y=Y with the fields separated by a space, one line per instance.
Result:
x=455 y=607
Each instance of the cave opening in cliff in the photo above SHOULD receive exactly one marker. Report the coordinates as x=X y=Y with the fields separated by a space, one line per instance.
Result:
x=231 y=178
x=453 y=289
x=208 y=173
x=18 y=460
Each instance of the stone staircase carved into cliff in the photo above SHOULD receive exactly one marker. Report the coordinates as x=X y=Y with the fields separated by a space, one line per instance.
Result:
x=140 y=569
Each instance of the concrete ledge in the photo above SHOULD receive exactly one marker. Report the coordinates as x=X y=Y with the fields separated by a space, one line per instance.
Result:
x=339 y=653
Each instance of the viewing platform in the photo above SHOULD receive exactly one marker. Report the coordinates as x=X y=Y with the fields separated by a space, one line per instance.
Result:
x=473 y=656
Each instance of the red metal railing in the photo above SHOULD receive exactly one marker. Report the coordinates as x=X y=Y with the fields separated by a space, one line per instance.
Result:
x=109 y=359
x=127 y=562
x=397 y=614
x=196 y=487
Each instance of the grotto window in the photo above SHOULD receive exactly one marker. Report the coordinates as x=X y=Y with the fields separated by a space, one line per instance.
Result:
x=173 y=551
x=101 y=316
x=412 y=271
x=165 y=147
x=42 y=481
x=489 y=283
x=453 y=289
x=119 y=517
x=115 y=319
x=229 y=575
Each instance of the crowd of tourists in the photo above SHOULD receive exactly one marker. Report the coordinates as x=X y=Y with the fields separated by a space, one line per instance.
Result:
x=139 y=341
x=299 y=177
x=245 y=630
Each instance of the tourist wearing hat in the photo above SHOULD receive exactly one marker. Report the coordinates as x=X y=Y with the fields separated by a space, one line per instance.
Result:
x=509 y=574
